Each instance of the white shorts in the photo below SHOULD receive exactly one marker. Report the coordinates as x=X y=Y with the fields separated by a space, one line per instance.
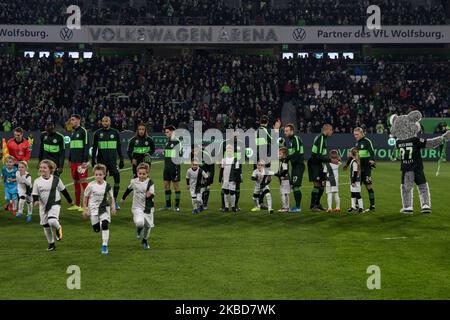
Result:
x=285 y=187
x=356 y=188
x=258 y=190
x=53 y=213
x=139 y=216
x=96 y=218
x=195 y=194
x=331 y=189
x=229 y=185
x=28 y=198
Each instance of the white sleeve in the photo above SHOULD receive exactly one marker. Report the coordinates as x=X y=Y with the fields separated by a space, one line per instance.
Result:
x=325 y=169
x=354 y=166
x=254 y=174
x=111 y=194
x=88 y=190
x=130 y=186
x=152 y=189
x=187 y=174
x=35 y=191
x=61 y=185
x=205 y=174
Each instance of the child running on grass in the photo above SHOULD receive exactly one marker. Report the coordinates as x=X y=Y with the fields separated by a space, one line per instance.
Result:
x=46 y=194
x=99 y=203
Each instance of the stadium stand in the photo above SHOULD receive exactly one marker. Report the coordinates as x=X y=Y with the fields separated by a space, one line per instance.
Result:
x=225 y=91
x=222 y=12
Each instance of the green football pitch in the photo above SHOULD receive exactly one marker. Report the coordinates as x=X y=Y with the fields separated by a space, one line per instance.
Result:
x=247 y=255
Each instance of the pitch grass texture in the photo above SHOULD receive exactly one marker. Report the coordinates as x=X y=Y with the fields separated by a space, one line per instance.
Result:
x=240 y=256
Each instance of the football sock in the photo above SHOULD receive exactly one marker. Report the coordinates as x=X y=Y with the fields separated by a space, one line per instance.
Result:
x=297 y=197
x=77 y=187
x=371 y=197
x=337 y=199
x=105 y=237
x=168 y=198
x=49 y=234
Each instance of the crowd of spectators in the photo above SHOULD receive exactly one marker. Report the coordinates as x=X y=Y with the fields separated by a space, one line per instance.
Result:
x=220 y=12
x=223 y=91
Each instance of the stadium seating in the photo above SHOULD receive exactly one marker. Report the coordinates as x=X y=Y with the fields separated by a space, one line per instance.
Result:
x=181 y=89
x=220 y=12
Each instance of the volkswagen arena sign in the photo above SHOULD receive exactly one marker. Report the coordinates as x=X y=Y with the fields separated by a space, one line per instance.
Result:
x=225 y=34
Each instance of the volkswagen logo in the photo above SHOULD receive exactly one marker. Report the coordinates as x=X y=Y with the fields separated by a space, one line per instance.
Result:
x=66 y=34
x=299 y=34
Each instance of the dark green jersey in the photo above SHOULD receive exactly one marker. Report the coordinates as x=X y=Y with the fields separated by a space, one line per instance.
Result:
x=319 y=151
x=410 y=153
x=172 y=150
x=295 y=150
x=366 y=152
x=138 y=147
x=52 y=148
x=106 y=146
x=206 y=164
x=79 y=146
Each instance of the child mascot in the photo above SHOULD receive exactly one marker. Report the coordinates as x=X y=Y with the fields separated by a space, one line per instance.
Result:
x=405 y=129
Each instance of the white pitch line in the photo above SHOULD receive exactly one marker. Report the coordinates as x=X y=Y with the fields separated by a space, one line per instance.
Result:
x=396 y=238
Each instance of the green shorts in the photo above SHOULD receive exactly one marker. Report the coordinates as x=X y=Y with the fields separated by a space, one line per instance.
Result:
x=419 y=177
x=172 y=173
x=297 y=174
x=315 y=171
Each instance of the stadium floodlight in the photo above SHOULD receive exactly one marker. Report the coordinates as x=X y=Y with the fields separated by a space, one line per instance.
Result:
x=348 y=55
x=333 y=55
x=303 y=55
x=58 y=54
x=74 y=55
x=29 y=54
x=318 y=55
x=287 y=55
x=44 y=54
x=87 y=55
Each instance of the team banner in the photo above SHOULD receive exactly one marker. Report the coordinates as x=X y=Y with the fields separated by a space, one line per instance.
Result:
x=224 y=34
x=383 y=145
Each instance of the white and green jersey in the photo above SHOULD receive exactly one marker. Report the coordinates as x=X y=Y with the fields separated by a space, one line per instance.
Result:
x=140 y=188
x=99 y=197
x=24 y=184
x=43 y=187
